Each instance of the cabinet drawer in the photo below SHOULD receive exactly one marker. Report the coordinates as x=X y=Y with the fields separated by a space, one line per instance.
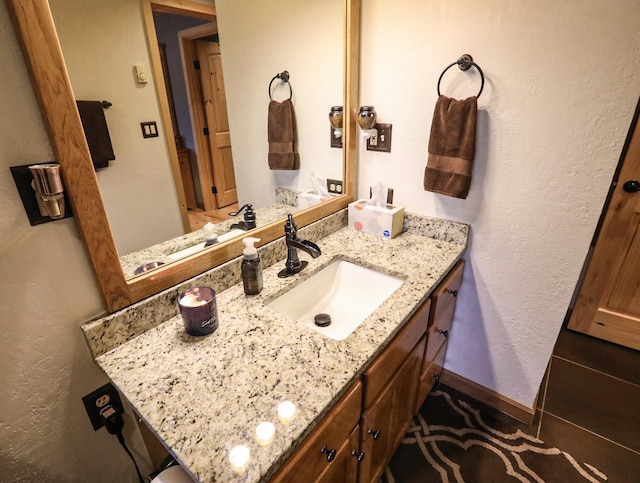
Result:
x=388 y=362
x=429 y=376
x=308 y=462
x=439 y=332
x=446 y=293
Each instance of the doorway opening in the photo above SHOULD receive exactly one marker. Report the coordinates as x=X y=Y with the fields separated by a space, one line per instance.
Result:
x=190 y=64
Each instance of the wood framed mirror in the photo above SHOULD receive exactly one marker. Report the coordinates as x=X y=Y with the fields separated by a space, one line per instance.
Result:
x=36 y=32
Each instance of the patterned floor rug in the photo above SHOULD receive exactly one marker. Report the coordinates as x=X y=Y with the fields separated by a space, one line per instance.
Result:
x=450 y=441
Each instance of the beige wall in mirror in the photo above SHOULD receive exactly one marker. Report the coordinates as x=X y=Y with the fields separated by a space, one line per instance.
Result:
x=138 y=185
x=102 y=42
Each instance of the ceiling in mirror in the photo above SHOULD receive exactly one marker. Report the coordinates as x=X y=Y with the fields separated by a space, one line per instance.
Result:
x=106 y=51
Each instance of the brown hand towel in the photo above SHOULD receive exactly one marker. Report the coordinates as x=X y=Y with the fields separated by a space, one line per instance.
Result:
x=282 y=136
x=452 y=147
x=96 y=132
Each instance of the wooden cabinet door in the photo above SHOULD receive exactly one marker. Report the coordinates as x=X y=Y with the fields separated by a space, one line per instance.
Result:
x=385 y=422
x=344 y=468
x=327 y=451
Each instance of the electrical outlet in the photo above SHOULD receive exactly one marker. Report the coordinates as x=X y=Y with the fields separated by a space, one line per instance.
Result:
x=98 y=400
x=334 y=186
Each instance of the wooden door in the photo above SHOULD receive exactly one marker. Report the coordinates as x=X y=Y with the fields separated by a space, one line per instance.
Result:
x=608 y=304
x=215 y=103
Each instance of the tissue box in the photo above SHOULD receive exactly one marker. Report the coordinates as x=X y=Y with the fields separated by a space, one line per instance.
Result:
x=384 y=222
x=307 y=200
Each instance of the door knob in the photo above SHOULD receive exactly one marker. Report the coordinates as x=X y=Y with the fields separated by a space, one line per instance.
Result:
x=631 y=186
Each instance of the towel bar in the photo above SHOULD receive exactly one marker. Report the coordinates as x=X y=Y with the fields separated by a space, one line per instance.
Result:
x=284 y=77
x=464 y=63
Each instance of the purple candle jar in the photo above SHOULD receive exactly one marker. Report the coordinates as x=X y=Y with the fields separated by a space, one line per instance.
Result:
x=199 y=310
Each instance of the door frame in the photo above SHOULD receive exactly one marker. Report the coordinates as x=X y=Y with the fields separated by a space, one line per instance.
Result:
x=188 y=39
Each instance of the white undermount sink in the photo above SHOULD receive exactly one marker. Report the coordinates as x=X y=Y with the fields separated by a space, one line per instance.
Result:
x=349 y=293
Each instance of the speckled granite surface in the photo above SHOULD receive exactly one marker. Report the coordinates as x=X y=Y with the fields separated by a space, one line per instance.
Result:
x=108 y=332
x=203 y=396
x=161 y=251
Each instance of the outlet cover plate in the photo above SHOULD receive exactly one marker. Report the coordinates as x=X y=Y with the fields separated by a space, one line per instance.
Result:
x=96 y=400
x=334 y=186
x=383 y=141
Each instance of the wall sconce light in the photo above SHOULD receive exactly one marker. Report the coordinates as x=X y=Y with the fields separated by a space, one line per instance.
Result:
x=377 y=136
x=49 y=189
x=336 y=119
x=367 y=121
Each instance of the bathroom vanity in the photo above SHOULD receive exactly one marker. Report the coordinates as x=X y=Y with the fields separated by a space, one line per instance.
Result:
x=353 y=398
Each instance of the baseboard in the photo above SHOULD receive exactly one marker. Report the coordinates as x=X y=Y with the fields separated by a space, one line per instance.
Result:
x=488 y=397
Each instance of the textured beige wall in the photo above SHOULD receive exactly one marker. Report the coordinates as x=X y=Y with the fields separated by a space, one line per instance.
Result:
x=47 y=290
x=561 y=86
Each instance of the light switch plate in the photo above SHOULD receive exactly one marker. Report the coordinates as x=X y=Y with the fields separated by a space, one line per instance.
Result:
x=149 y=129
x=383 y=141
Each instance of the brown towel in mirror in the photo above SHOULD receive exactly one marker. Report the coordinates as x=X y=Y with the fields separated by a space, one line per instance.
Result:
x=452 y=147
x=283 y=151
x=96 y=132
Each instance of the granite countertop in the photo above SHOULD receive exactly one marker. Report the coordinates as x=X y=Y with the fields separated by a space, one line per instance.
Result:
x=161 y=251
x=203 y=396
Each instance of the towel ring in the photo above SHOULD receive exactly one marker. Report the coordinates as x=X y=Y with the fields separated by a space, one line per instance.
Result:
x=464 y=63
x=284 y=77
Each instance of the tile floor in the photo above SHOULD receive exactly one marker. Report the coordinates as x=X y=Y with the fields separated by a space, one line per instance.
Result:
x=589 y=404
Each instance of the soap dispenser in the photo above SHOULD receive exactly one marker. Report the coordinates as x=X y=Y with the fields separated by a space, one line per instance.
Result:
x=210 y=235
x=251 y=267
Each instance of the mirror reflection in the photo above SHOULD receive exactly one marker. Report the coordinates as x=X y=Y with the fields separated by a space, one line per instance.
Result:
x=242 y=47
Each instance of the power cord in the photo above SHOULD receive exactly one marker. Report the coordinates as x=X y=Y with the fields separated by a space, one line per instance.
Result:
x=114 y=423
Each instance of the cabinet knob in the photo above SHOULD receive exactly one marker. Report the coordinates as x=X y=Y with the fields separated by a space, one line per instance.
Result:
x=331 y=453
x=454 y=293
x=359 y=455
x=374 y=433
x=436 y=377
x=444 y=332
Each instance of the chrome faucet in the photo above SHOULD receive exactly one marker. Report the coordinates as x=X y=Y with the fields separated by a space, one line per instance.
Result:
x=293 y=264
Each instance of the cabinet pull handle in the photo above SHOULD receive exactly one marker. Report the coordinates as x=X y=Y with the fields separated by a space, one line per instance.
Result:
x=452 y=292
x=444 y=332
x=359 y=455
x=331 y=453
x=374 y=433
